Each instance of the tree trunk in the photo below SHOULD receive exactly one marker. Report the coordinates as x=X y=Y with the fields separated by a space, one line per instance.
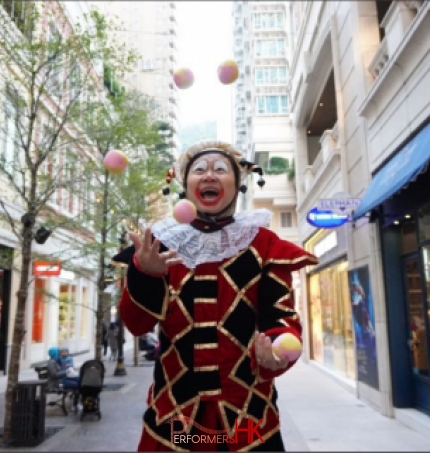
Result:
x=18 y=332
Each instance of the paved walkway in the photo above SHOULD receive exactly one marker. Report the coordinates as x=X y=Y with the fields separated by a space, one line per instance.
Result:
x=317 y=414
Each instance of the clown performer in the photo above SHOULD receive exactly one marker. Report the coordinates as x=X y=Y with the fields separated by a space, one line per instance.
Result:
x=220 y=290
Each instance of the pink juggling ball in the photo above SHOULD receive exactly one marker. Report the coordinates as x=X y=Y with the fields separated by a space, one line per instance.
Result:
x=184 y=211
x=228 y=72
x=287 y=345
x=115 y=161
x=183 y=78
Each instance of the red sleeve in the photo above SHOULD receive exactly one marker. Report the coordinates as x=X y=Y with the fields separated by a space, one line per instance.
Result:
x=276 y=308
x=135 y=318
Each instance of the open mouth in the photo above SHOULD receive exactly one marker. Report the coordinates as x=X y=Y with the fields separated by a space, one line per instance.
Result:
x=209 y=196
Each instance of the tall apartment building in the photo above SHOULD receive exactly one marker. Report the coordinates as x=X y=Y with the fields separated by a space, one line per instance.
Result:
x=150 y=28
x=261 y=108
x=361 y=119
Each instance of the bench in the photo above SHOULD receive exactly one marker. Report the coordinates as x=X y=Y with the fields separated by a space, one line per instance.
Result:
x=61 y=393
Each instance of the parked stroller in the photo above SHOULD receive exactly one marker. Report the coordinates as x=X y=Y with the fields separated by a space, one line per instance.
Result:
x=91 y=375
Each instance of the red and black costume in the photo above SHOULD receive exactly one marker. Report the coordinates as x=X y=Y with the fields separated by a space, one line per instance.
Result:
x=208 y=311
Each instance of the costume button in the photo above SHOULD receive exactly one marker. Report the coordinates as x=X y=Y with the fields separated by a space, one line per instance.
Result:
x=206 y=227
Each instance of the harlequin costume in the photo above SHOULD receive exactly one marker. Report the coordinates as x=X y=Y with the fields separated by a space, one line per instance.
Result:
x=235 y=279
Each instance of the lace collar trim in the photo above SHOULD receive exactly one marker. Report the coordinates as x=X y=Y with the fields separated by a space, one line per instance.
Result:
x=196 y=247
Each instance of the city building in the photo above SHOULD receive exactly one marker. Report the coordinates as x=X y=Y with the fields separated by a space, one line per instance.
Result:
x=150 y=29
x=62 y=296
x=358 y=78
x=262 y=124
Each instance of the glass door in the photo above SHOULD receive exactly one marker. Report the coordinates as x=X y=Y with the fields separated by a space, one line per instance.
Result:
x=416 y=320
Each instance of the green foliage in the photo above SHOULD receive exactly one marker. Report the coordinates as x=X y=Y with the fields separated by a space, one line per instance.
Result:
x=277 y=166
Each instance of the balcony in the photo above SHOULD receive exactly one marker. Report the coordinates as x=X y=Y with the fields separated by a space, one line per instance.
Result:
x=396 y=22
x=328 y=151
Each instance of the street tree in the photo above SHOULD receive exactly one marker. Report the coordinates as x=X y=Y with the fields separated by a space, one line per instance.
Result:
x=125 y=200
x=50 y=72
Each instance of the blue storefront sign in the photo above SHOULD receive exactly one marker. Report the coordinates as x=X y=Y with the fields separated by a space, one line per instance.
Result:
x=326 y=218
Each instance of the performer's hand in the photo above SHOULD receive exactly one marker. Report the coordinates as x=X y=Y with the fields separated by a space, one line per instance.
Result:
x=148 y=254
x=264 y=354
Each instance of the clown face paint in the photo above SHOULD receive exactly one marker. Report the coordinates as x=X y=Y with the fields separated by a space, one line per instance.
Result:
x=211 y=184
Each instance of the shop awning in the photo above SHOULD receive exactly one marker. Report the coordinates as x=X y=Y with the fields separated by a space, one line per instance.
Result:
x=404 y=167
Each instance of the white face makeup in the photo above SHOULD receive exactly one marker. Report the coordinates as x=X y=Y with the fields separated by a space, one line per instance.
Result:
x=211 y=183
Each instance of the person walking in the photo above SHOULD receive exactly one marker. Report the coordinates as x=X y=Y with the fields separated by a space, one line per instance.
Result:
x=112 y=338
x=221 y=290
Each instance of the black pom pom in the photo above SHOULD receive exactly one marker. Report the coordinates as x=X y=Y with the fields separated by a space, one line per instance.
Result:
x=182 y=195
x=261 y=181
x=166 y=191
x=243 y=188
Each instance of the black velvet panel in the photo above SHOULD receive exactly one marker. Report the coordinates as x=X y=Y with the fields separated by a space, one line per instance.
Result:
x=256 y=406
x=205 y=289
x=146 y=290
x=184 y=388
x=206 y=334
x=243 y=371
x=243 y=269
x=269 y=292
x=242 y=316
x=207 y=380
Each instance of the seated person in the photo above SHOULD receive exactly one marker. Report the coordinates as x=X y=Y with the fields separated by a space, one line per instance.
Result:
x=57 y=375
x=66 y=359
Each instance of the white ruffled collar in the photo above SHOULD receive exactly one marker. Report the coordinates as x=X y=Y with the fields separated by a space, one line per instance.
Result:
x=196 y=247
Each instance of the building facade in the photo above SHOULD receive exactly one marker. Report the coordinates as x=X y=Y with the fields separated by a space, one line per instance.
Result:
x=262 y=124
x=62 y=295
x=358 y=75
x=150 y=29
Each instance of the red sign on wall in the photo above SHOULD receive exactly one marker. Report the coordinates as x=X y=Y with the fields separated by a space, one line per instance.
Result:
x=46 y=268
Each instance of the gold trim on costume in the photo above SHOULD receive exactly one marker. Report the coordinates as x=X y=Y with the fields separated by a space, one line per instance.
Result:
x=205 y=345
x=210 y=392
x=205 y=277
x=206 y=324
x=201 y=300
x=206 y=368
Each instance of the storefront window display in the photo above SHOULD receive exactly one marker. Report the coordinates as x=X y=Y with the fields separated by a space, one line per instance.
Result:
x=67 y=312
x=84 y=313
x=330 y=319
x=38 y=310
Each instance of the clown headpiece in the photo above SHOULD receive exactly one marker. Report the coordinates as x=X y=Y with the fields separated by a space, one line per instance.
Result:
x=241 y=166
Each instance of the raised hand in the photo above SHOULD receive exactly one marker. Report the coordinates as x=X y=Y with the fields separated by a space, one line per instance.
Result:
x=148 y=254
x=264 y=354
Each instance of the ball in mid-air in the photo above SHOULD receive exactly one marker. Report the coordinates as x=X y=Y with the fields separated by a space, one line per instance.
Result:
x=228 y=72
x=287 y=345
x=184 y=211
x=115 y=161
x=183 y=78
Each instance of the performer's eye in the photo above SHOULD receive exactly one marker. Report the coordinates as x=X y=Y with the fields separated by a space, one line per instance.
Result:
x=220 y=166
x=199 y=166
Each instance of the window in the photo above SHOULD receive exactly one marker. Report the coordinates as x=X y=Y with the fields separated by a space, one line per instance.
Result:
x=268 y=21
x=270 y=75
x=54 y=73
x=286 y=220
x=271 y=105
x=10 y=146
x=262 y=159
x=269 y=48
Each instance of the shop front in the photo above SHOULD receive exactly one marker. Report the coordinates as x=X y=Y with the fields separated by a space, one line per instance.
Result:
x=398 y=200
x=331 y=336
x=62 y=311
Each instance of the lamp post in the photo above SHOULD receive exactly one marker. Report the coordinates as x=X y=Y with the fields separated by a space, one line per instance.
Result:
x=120 y=367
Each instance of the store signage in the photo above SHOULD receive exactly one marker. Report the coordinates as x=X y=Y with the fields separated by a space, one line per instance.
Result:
x=340 y=205
x=46 y=268
x=325 y=218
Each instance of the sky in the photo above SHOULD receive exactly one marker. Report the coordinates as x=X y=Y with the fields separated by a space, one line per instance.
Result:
x=205 y=39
